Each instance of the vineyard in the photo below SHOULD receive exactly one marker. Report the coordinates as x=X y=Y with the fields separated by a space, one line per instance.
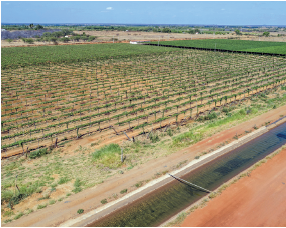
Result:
x=112 y=96
x=231 y=45
x=46 y=55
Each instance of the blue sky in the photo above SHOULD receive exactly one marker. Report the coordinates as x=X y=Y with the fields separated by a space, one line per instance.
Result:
x=149 y=12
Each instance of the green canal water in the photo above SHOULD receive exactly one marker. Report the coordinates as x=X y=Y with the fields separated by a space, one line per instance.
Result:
x=158 y=206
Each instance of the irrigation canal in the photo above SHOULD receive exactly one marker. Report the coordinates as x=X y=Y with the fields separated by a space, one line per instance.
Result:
x=165 y=202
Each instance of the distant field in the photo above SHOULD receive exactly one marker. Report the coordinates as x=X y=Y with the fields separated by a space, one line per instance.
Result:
x=14 y=57
x=235 y=45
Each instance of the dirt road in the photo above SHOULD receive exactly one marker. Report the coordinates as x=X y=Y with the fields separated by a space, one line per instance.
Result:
x=90 y=199
x=258 y=200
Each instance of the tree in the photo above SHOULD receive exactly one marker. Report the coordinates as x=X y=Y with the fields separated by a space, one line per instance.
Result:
x=38 y=27
x=76 y=38
x=166 y=30
x=237 y=32
x=84 y=38
x=54 y=40
x=65 y=39
x=31 y=25
x=266 y=34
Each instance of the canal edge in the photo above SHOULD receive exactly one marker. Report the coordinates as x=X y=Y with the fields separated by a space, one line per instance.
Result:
x=82 y=220
x=233 y=180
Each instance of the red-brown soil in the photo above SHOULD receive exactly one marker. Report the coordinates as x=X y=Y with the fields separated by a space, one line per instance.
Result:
x=90 y=199
x=258 y=200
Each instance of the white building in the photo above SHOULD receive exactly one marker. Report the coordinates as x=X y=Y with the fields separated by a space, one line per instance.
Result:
x=139 y=41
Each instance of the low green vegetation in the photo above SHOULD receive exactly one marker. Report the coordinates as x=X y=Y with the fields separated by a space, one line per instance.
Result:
x=18 y=216
x=80 y=211
x=14 y=57
x=108 y=155
x=77 y=185
x=42 y=206
x=234 y=45
x=104 y=201
x=63 y=180
x=123 y=191
x=38 y=153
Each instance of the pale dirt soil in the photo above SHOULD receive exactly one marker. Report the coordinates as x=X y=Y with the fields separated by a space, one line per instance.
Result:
x=90 y=199
x=107 y=36
x=255 y=201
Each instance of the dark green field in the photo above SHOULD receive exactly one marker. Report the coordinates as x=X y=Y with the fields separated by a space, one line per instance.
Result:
x=14 y=57
x=234 y=45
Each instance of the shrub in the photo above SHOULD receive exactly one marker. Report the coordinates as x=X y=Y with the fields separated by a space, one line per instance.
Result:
x=154 y=138
x=77 y=190
x=106 y=150
x=181 y=217
x=210 y=116
x=242 y=112
x=15 y=199
x=8 y=220
x=80 y=211
x=38 y=153
x=29 y=40
x=29 y=211
x=123 y=191
x=139 y=184
x=8 y=213
x=63 y=180
x=42 y=206
x=108 y=155
x=18 y=215
x=170 y=132
x=187 y=138
x=104 y=201
x=77 y=185
x=212 y=195
x=225 y=110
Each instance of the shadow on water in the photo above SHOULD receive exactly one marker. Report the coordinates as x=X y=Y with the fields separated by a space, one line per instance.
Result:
x=163 y=203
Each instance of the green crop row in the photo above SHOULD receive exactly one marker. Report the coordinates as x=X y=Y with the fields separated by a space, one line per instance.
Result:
x=14 y=57
x=232 y=45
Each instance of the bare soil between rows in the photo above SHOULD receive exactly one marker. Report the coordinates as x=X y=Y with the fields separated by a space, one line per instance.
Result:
x=90 y=199
x=254 y=201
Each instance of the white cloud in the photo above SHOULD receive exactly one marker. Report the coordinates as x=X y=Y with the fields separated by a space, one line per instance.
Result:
x=109 y=8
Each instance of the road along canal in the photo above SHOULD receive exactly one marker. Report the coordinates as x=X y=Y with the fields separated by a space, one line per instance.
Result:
x=169 y=196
